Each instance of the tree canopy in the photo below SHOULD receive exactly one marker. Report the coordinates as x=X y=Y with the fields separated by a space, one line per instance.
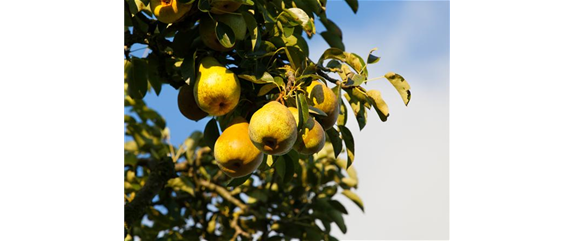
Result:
x=179 y=192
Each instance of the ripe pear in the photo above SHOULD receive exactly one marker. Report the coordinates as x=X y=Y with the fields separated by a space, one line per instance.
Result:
x=224 y=6
x=187 y=105
x=234 y=152
x=169 y=11
x=216 y=88
x=236 y=22
x=323 y=98
x=208 y=35
x=272 y=129
x=310 y=140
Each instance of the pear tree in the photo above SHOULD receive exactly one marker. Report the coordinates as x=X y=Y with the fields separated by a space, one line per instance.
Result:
x=276 y=153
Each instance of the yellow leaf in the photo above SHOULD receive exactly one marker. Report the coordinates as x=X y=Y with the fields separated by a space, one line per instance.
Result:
x=401 y=85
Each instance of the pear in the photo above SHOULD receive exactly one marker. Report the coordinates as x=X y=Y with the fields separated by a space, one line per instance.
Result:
x=323 y=98
x=187 y=105
x=309 y=140
x=234 y=153
x=208 y=35
x=272 y=129
x=216 y=88
x=169 y=11
x=224 y=6
x=236 y=22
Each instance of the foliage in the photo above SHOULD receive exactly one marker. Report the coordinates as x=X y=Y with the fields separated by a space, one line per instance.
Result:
x=289 y=196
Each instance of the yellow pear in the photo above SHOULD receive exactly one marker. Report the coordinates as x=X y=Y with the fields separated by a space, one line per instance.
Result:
x=187 y=105
x=236 y=22
x=169 y=11
x=310 y=140
x=216 y=88
x=234 y=152
x=208 y=35
x=224 y=6
x=272 y=129
x=323 y=98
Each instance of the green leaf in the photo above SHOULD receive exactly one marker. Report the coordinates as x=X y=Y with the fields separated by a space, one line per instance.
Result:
x=380 y=105
x=332 y=53
x=188 y=69
x=252 y=29
x=258 y=195
x=334 y=65
x=296 y=57
x=265 y=78
x=130 y=159
x=355 y=198
x=332 y=27
x=354 y=79
x=204 y=6
x=265 y=89
x=137 y=78
x=225 y=35
x=211 y=133
x=280 y=166
x=153 y=74
x=316 y=111
x=357 y=63
x=234 y=182
x=335 y=140
x=357 y=101
x=333 y=40
x=289 y=168
x=338 y=206
x=349 y=144
x=373 y=59
x=401 y=85
x=354 y=4
x=337 y=217
x=342 y=119
x=303 y=110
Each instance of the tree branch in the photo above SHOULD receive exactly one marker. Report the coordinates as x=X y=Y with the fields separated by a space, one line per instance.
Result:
x=223 y=193
x=161 y=172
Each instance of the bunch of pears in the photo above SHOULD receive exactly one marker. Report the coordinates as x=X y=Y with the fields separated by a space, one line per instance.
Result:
x=271 y=130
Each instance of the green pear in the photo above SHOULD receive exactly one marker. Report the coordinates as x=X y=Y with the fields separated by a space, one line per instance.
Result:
x=216 y=88
x=234 y=152
x=187 y=105
x=272 y=129
x=236 y=22
x=309 y=140
x=208 y=35
x=323 y=98
x=224 y=6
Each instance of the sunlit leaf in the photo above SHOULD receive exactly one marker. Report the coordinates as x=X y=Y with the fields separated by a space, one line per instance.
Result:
x=372 y=58
x=380 y=105
x=401 y=85
x=354 y=197
x=225 y=35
